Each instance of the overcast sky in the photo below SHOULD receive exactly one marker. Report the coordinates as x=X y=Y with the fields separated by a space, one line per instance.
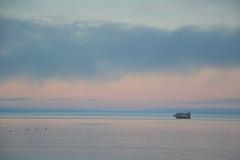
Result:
x=119 y=54
x=158 y=13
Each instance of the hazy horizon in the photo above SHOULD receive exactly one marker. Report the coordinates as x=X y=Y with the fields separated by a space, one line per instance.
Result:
x=119 y=55
x=120 y=79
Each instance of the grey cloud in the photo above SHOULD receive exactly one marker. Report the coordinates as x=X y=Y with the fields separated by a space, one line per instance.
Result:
x=84 y=51
x=13 y=99
x=223 y=101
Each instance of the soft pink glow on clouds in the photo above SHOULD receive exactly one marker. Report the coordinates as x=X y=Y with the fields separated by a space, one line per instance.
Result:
x=156 y=89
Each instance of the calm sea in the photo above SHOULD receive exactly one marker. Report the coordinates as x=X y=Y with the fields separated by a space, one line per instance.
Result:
x=119 y=135
x=207 y=114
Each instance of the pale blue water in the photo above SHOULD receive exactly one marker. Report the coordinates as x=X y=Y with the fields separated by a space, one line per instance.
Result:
x=118 y=139
x=207 y=114
x=114 y=135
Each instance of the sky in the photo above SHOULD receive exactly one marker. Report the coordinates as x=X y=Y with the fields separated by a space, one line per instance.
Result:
x=138 y=54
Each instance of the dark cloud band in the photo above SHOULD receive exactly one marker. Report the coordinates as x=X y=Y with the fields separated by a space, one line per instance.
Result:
x=80 y=50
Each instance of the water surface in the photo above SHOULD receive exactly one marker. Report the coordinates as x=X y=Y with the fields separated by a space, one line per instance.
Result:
x=118 y=139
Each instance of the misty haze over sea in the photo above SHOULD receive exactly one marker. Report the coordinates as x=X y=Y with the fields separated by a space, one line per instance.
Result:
x=119 y=80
